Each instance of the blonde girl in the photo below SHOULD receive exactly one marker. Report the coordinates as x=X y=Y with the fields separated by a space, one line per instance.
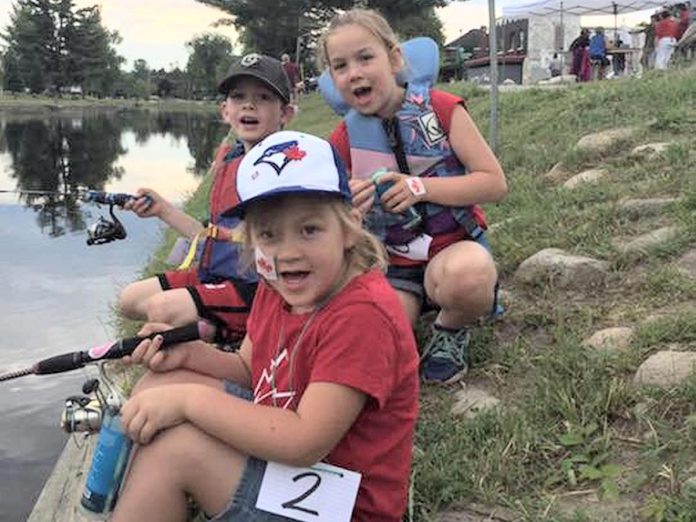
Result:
x=438 y=163
x=329 y=363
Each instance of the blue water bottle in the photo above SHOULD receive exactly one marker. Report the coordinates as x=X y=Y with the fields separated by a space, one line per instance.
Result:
x=108 y=465
x=411 y=217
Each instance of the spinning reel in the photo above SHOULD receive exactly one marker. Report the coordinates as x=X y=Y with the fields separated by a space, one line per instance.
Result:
x=83 y=413
x=105 y=231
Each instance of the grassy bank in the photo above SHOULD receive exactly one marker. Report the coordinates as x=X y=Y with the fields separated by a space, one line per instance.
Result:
x=33 y=104
x=573 y=438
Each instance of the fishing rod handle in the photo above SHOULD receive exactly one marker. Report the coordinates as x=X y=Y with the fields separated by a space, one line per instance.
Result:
x=182 y=334
x=74 y=360
x=112 y=198
x=108 y=198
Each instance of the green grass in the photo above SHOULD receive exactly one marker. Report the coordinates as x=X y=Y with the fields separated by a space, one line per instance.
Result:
x=571 y=421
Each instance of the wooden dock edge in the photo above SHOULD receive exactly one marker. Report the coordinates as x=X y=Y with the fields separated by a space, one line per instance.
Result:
x=59 y=499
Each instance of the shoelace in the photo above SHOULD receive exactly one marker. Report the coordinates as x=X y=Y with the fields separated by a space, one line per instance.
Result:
x=448 y=345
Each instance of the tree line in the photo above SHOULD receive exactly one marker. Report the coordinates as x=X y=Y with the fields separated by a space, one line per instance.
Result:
x=52 y=47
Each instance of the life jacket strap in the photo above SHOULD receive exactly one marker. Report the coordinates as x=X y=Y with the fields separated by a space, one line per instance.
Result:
x=213 y=232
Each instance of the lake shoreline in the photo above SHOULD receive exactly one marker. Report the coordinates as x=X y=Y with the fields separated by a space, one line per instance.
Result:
x=27 y=104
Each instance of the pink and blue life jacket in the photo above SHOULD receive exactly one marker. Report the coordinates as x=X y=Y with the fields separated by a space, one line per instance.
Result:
x=413 y=142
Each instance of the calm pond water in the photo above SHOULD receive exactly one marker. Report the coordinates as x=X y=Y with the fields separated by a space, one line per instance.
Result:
x=55 y=291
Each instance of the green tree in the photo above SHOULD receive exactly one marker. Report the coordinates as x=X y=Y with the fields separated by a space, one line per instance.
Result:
x=210 y=56
x=273 y=26
x=93 y=61
x=53 y=45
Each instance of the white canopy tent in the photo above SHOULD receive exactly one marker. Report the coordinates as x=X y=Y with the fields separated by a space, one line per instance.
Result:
x=578 y=7
x=547 y=7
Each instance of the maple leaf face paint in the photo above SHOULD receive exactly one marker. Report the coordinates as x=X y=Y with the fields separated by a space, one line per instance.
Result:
x=265 y=265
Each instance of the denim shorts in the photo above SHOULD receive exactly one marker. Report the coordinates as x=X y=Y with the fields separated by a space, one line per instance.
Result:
x=242 y=504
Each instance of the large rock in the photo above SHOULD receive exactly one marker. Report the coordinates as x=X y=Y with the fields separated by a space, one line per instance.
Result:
x=666 y=368
x=639 y=208
x=471 y=401
x=587 y=176
x=605 y=140
x=653 y=239
x=610 y=339
x=687 y=264
x=558 y=173
x=562 y=269
x=649 y=150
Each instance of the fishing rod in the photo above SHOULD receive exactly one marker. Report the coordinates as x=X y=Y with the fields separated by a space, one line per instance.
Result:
x=103 y=230
x=36 y=192
x=74 y=360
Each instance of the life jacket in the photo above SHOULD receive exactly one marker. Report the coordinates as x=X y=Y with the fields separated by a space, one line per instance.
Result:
x=412 y=143
x=220 y=257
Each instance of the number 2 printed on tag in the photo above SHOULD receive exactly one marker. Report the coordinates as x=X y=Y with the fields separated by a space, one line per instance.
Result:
x=321 y=493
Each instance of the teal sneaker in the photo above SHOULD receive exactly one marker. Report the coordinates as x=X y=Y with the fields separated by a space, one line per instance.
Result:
x=445 y=358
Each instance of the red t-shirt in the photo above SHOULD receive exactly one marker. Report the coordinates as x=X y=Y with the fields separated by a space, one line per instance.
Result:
x=361 y=338
x=666 y=28
x=444 y=104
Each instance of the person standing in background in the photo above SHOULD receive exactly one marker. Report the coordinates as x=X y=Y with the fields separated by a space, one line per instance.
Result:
x=293 y=72
x=647 y=59
x=555 y=66
x=666 y=33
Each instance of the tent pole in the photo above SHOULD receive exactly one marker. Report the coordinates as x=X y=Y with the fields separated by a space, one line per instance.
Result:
x=561 y=50
x=493 y=62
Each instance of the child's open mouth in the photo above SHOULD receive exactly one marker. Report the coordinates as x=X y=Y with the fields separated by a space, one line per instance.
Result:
x=294 y=278
x=362 y=93
x=249 y=120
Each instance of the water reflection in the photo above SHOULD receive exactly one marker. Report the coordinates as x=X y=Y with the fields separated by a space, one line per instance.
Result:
x=66 y=155
x=57 y=292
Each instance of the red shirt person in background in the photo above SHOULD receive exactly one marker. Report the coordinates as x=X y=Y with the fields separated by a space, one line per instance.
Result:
x=293 y=72
x=666 y=34
x=684 y=20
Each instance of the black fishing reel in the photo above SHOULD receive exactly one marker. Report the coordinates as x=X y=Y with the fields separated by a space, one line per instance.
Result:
x=105 y=231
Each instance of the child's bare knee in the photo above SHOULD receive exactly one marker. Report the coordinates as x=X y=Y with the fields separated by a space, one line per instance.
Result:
x=158 y=309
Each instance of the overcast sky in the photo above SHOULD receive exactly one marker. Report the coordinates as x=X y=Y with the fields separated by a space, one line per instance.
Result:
x=157 y=30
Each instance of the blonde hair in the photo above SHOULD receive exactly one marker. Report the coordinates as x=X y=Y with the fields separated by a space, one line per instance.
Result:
x=368 y=19
x=367 y=252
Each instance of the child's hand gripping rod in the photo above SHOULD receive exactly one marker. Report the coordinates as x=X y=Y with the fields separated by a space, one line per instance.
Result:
x=74 y=360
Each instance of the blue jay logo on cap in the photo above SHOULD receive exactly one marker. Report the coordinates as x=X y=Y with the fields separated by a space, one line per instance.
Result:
x=278 y=156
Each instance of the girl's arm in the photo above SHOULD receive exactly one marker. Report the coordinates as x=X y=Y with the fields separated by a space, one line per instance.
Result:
x=485 y=182
x=197 y=356
x=235 y=367
x=297 y=438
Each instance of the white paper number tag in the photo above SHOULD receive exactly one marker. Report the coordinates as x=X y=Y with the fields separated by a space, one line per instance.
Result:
x=417 y=249
x=320 y=493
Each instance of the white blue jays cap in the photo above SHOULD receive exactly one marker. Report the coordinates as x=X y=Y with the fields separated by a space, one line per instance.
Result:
x=290 y=162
